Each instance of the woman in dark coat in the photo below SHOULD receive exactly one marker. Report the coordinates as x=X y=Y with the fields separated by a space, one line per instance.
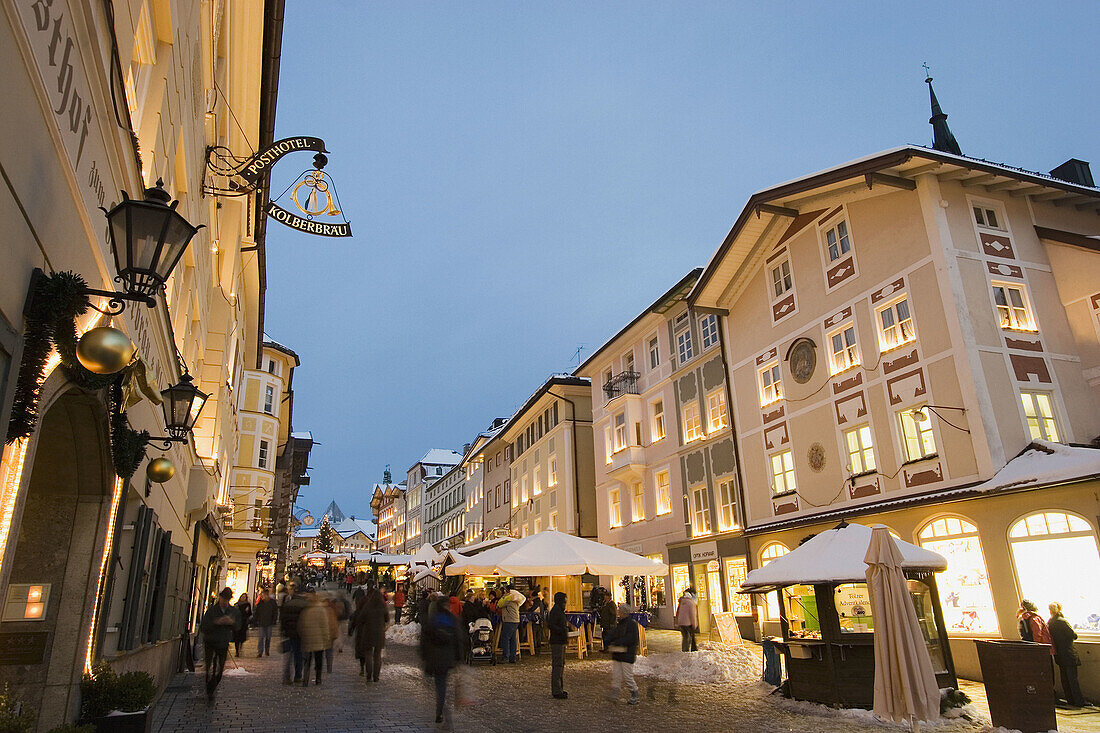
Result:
x=1062 y=636
x=241 y=634
x=368 y=624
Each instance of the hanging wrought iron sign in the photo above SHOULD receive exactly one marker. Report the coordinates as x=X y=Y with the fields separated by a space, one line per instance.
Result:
x=313 y=206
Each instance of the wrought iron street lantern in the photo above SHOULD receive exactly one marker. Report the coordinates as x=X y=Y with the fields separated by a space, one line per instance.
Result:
x=148 y=238
x=182 y=404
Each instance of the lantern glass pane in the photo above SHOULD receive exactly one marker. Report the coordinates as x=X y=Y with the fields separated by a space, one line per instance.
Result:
x=117 y=224
x=175 y=242
x=147 y=222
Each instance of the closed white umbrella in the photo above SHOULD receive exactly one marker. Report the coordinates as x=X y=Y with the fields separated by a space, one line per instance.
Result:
x=555 y=553
x=905 y=686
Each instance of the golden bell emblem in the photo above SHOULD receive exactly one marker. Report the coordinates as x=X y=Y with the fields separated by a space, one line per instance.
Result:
x=160 y=470
x=104 y=350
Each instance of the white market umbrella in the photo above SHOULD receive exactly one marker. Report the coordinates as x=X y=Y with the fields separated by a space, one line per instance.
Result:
x=426 y=555
x=905 y=686
x=555 y=553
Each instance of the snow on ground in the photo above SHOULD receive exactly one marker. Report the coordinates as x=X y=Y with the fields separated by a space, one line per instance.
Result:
x=712 y=663
x=866 y=716
x=236 y=672
x=408 y=634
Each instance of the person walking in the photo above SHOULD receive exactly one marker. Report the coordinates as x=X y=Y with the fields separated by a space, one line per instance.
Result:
x=316 y=628
x=559 y=637
x=218 y=625
x=240 y=636
x=398 y=603
x=623 y=645
x=333 y=604
x=608 y=613
x=441 y=649
x=289 y=616
x=1062 y=636
x=266 y=612
x=687 y=619
x=509 y=624
x=369 y=625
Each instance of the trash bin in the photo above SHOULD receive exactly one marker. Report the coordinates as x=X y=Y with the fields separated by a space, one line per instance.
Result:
x=1019 y=683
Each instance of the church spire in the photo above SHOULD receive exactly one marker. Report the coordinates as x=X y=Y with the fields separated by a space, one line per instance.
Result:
x=942 y=139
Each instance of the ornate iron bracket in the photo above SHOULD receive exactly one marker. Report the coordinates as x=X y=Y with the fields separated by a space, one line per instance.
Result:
x=116 y=301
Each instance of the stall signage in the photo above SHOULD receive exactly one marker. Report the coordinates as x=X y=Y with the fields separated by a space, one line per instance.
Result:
x=853 y=601
x=704 y=552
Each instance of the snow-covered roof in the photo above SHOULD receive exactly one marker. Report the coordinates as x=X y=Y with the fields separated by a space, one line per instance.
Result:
x=835 y=556
x=441 y=457
x=1043 y=464
x=307 y=533
x=350 y=526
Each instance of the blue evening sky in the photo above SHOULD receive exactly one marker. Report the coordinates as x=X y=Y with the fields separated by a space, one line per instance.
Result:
x=524 y=177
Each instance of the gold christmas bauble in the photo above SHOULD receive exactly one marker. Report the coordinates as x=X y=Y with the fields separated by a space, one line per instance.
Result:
x=104 y=350
x=160 y=470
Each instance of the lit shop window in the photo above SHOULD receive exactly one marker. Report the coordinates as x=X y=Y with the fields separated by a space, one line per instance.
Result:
x=895 y=325
x=1054 y=552
x=771 y=387
x=1013 y=312
x=964 y=586
x=681 y=580
x=771 y=552
x=655 y=585
x=1040 y=415
x=736 y=570
x=664 y=498
x=845 y=352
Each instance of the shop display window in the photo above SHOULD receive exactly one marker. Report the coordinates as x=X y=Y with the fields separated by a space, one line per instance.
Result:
x=853 y=608
x=769 y=553
x=681 y=580
x=655 y=586
x=921 y=595
x=736 y=570
x=964 y=587
x=802 y=616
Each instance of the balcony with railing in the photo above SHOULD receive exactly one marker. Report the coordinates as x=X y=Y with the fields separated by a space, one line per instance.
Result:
x=620 y=384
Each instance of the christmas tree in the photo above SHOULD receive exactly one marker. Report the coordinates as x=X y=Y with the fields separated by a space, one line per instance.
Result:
x=324 y=536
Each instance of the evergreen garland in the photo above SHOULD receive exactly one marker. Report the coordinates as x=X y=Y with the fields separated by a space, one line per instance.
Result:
x=128 y=446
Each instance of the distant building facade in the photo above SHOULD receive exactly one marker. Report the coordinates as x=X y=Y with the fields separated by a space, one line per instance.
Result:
x=421 y=475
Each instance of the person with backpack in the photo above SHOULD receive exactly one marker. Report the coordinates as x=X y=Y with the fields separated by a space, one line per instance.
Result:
x=1031 y=625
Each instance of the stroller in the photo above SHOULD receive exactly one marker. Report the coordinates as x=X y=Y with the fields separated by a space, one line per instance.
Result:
x=481 y=642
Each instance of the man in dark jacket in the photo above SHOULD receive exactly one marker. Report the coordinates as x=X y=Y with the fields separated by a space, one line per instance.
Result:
x=559 y=637
x=218 y=624
x=623 y=645
x=265 y=613
x=1062 y=636
x=288 y=623
x=441 y=648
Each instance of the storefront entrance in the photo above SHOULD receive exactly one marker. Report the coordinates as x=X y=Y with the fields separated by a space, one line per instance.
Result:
x=708 y=584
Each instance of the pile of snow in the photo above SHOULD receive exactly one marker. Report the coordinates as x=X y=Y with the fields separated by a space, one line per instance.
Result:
x=1045 y=463
x=236 y=672
x=713 y=663
x=402 y=670
x=408 y=634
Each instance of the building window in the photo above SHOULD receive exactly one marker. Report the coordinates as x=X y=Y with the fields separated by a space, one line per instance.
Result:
x=508 y=491
x=986 y=217
x=684 y=345
x=717 y=417
x=895 y=325
x=771 y=386
x=263 y=453
x=553 y=521
x=782 y=470
x=964 y=588
x=537 y=480
x=620 y=431
x=845 y=351
x=523 y=494
x=861 y=450
x=615 y=505
x=655 y=585
x=916 y=432
x=628 y=362
x=664 y=497
x=781 y=278
x=269 y=399
x=538 y=524
x=1012 y=309
x=607 y=443
x=1040 y=416
x=654 y=353
x=270 y=366
x=708 y=326
x=837 y=241
x=727 y=506
x=700 y=511
x=552 y=473
x=693 y=426
x=1053 y=552
x=772 y=552
x=657 y=430
x=637 y=502
x=736 y=570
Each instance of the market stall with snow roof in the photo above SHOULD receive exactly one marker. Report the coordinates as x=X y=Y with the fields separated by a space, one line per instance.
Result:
x=825 y=614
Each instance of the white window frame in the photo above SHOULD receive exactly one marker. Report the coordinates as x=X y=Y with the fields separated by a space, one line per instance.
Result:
x=770 y=392
x=553 y=523
x=653 y=348
x=608 y=445
x=692 y=421
x=727 y=505
x=637 y=502
x=629 y=365
x=708 y=330
x=785 y=278
x=536 y=481
x=895 y=336
x=700 y=511
x=849 y=355
x=657 y=421
x=614 y=508
x=685 y=346
x=861 y=457
x=262 y=453
x=619 y=421
x=918 y=437
x=986 y=208
x=781 y=469
x=717 y=410
x=663 y=491
x=552 y=472
x=1040 y=424
x=269 y=399
x=839 y=240
x=1011 y=311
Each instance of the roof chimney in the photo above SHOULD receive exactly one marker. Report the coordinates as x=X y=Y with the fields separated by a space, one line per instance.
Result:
x=1074 y=171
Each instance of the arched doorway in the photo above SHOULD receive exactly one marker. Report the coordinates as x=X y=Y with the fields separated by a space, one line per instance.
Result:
x=58 y=533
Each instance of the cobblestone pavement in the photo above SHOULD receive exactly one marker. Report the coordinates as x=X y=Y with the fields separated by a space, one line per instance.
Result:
x=510 y=698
